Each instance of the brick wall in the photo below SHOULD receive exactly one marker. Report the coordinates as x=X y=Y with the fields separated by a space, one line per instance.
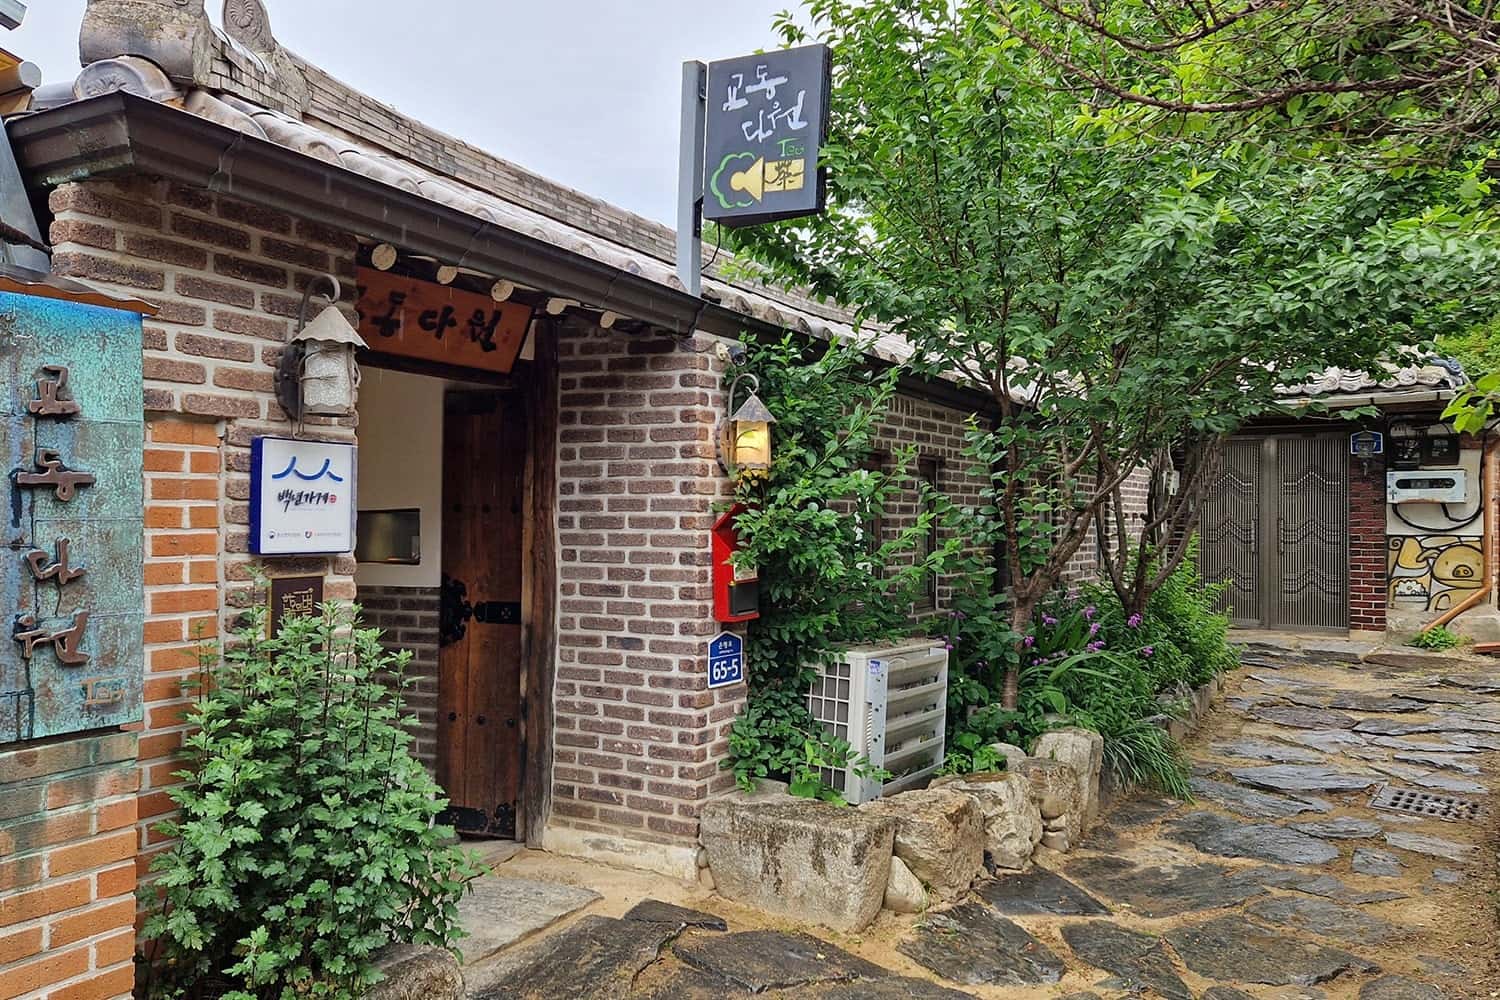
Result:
x=227 y=279
x=1135 y=491
x=936 y=434
x=638 y=733
x=1367 y=546
x=67 y=869
x=408 y=616
x=182 y=598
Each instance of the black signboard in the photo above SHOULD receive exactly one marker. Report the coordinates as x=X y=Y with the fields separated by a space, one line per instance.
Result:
x=767 y=118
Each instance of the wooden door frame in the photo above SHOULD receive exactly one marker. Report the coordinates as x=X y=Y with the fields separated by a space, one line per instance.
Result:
x=538 y=381
x=539 y=587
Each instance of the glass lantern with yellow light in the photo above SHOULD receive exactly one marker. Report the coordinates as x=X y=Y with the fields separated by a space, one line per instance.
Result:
x=745 y=437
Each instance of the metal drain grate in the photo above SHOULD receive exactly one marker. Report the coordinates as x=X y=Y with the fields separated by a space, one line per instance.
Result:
x=1407 y=800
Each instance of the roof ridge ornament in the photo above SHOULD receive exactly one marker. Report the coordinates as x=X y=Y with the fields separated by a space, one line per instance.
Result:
x=247 y=22
x=175 y=34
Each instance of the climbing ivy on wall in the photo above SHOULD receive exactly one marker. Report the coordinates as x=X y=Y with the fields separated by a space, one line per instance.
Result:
x=827 y=581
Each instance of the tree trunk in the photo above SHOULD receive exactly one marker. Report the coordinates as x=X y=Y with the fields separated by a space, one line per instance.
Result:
x=1022 y=612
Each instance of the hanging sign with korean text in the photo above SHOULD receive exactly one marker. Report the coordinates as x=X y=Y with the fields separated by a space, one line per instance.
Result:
x=425 y=321
x=72 y=582
x=767 y=119
x=301 y=497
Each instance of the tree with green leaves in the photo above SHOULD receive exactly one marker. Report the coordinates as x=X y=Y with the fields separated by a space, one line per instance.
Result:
x=1419 y=72
x=1126 y=306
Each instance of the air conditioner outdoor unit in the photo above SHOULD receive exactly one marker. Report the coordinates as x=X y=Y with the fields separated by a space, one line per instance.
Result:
x=891 y=704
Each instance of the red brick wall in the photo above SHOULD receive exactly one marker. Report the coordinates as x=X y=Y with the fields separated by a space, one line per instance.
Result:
x=67 y=869
x=1367 y=546
x=227 y=279
x=638 y=733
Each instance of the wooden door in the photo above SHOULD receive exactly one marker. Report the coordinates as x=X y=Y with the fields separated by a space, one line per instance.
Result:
x=479 y=664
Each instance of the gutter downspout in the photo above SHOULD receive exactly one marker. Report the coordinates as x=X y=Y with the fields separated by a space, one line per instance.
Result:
x=1491 y=477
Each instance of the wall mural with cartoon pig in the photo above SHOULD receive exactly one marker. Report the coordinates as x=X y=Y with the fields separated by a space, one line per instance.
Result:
x=1435 y=551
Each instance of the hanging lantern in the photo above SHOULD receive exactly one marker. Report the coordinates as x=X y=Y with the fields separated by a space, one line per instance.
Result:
x=318 y=375
x=745 y=439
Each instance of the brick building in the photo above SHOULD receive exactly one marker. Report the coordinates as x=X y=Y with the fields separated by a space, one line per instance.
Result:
x=219 y=179
x=1312 y=532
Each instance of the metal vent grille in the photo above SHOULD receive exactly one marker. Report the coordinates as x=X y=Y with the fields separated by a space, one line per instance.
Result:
x=829 y=703
x=1407 y=800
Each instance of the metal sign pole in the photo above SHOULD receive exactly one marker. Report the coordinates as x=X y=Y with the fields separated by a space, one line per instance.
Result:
x=690 y=177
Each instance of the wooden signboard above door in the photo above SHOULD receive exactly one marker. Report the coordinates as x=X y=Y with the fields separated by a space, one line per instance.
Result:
x=425 y=321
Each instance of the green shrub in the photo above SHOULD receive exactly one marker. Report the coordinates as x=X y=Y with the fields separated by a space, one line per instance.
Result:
x=1087 y=662
x=307 y=837
x=1437 y=638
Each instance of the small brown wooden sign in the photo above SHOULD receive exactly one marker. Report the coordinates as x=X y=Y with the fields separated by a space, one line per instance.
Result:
x=426 y=321
x=293 y=597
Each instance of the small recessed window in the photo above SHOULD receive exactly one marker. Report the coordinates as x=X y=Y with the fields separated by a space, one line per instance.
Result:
x=389 y=536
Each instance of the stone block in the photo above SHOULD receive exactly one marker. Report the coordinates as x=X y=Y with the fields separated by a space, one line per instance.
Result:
x=416 y=972
x=1012 y=820
x=1083 y=751
x=904 y=893
x=1054 y=789
x=939 y=834
x=810 y=861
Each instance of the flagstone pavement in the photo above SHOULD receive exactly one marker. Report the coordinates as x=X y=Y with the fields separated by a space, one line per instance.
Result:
x=1280 y=880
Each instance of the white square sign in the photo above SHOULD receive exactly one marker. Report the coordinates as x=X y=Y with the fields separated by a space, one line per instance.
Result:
x=301 y=497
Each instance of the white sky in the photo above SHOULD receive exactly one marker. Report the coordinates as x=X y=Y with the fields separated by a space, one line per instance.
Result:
x=582 y=91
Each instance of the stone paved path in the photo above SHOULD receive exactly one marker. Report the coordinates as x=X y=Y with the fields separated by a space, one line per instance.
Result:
x=1279 y=881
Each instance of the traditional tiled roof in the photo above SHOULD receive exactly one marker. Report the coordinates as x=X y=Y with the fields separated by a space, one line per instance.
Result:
x=1419 y=375
x=248 y=82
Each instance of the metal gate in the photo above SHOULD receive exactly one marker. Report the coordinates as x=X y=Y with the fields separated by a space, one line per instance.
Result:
x=1275 y=530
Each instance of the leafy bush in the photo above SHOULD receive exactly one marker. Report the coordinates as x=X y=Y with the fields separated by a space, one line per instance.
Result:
x=1436 y=638
x=307 y=837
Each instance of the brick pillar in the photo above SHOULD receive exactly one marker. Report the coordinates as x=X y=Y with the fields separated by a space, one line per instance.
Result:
x=182 y=598
x=67 y=869
x=639 y=736
x=1367 y=546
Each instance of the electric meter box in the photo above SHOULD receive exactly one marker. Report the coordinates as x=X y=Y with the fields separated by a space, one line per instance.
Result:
x=891 y=704
x=1427 y=486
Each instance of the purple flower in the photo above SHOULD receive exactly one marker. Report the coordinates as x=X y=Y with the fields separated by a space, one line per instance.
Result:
x=1135 y=621
x=1036 y=663
x=1094 y=647
x=1147 y=651
x=1094 y=629
x=1048 y=620
x=1089 y=613
x=1029 y=641
x=948 y=645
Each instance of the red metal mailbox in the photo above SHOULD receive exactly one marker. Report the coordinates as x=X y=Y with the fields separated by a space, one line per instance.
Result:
x=736 y=593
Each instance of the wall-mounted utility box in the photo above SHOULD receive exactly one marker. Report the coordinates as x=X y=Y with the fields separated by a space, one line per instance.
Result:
x=891 y=704
x=1427 y=486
